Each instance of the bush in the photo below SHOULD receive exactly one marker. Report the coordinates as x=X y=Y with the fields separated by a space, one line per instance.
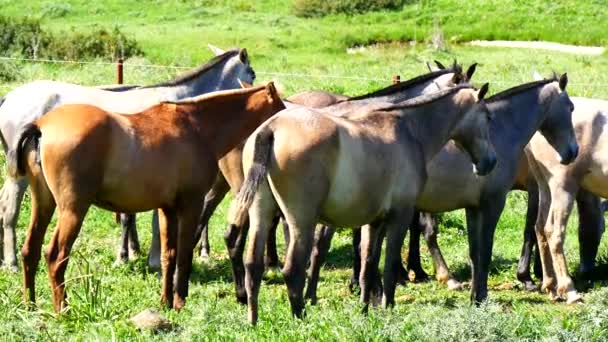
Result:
x=8 y=72
x=318 y=8
x=26 y=37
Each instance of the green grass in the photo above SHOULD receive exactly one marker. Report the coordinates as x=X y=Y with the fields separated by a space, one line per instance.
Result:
x=102 y=298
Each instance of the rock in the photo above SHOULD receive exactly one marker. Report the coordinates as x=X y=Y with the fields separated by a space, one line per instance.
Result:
x=150 y=319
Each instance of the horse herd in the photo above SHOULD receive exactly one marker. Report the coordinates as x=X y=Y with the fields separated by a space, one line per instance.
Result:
x=383 y=162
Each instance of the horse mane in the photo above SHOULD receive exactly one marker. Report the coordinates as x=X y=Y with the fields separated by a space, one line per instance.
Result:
x=189 y=75
x=405 y=84
x=426 y=98
x=520 y=88
x=214 y=94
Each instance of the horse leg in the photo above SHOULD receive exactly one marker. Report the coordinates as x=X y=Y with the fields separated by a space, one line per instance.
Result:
x=298 y=253
x=396 y=230
x=43 y=206
x=261 y=216
x=543 y=234
x=235 y=238
x=562 y=201
x=58 y=253
x=369 y=277
x=481 y=224
x=442 y=272
x=413 y=254
x=129 y=241
x=323 y=237
x=187 y=217
x=590 y=230
x=354 y=279
x=523 y=266
x=13 y=191
x=213 y=198
x=272 y=257
x=168 y=245
x=154 y=256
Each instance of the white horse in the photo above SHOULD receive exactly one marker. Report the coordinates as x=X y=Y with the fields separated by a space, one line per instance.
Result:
x=30 y=101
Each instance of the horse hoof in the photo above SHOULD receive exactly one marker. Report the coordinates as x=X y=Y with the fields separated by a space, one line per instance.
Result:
x=529 y=286
x=573 y=297
x=454 y=285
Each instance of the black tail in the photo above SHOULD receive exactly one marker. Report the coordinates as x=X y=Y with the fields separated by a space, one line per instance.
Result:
x=14 y=158
x=257 y=173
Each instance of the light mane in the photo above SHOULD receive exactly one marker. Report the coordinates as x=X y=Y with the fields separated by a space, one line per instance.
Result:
x=189 y=75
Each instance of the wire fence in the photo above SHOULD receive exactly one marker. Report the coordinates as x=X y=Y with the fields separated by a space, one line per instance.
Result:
x=266 y=73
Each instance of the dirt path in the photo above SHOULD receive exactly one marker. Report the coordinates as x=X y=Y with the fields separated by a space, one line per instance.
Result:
x=574 y=49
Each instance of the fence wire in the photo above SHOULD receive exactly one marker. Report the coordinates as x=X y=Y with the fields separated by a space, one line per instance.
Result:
x=268 y=73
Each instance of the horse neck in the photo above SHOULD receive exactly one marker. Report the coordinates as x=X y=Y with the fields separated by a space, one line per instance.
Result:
x=516 y=119
x=216 y=78
x=433 y=124
x=227 y=123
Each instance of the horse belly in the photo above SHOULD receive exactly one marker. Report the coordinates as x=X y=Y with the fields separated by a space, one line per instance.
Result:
x=362 y=189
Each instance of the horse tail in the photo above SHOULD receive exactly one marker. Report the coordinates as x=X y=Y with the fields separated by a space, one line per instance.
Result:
x=256 y=175
x=14 y=158
x=2 y=99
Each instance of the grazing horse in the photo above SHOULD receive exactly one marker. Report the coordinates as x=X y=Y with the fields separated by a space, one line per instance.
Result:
x=349 y=171
x=111 y=161
x=31 y=101
x=232 y=176
x=558 y=185
x=518 y=112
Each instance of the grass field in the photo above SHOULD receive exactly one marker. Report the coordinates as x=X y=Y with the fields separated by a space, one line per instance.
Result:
x=102 y=298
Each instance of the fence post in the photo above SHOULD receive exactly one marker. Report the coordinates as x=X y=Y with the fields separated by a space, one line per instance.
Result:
x=119 y=78
x=396 y=79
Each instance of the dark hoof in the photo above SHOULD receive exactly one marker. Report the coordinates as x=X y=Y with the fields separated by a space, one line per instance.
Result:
x=354 y=287
x=241 y=298
x=530 y=286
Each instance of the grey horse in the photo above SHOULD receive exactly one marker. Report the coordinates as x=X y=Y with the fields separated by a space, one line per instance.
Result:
x=30 y=101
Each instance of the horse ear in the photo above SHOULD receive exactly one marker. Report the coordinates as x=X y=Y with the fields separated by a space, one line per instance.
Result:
x=482 y=92
x=471 y=71
x=216 y=50
x=245 y=84
x=243 y=56
x=271 y=91
x=439 y=65
x=429 y=67
x=563 y=81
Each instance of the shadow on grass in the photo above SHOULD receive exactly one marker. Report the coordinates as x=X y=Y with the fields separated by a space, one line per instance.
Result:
x=500 y=265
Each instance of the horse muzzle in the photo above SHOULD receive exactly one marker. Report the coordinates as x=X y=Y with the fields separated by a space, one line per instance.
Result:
x=570 y=154
x=485 y=165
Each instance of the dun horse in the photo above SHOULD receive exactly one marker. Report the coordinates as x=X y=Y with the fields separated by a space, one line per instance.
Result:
x=518 y=113
x=558 y=185
x=231 y=176
x=31 y=101
x=345 y=172
x=164 y=157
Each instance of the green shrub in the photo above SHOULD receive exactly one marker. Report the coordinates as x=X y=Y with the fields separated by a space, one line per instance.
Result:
x=8 y=72
x=26 y=37
x=56 y=10
x=317 y=8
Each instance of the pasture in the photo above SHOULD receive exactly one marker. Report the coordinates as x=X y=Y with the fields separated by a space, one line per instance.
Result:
x=302 y=54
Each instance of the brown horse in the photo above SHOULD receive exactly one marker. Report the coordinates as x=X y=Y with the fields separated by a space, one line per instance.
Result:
x=344 y=172
x=80 y=155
